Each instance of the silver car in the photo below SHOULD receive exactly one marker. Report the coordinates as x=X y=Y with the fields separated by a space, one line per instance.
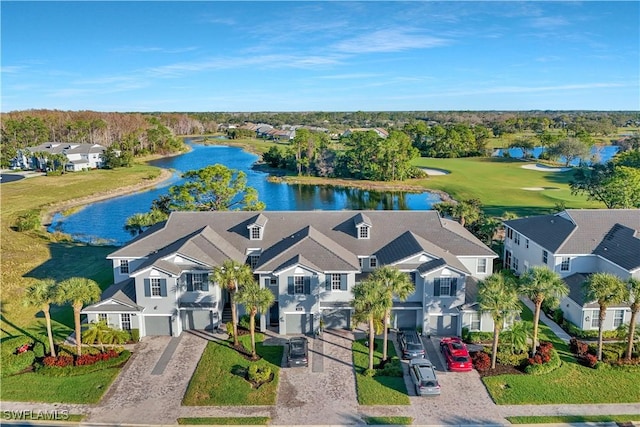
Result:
x=423 y=375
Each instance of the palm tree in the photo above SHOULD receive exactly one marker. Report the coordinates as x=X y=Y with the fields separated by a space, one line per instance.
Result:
x=397 y=284
x=78 y=291
x=497 y=296
x=254 y=299
x=101 y=332
x=634 y=304
x=539 y=283
x=42 y=294
x=605 y=289
x=232 y=275
x=370 y=304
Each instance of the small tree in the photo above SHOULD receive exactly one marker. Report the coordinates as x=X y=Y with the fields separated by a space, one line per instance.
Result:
x=254 y=299
x=41 y=295
x=498 y=296
x=370 y=304
x=232 y=276
x=606 y=289
x=102 y=333
x=634 y=304
x=78 y=291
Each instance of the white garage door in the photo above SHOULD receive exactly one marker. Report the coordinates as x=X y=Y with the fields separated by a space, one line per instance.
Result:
x=299 y=324
x=157 y=325
x=198 y=319
x=336 y=319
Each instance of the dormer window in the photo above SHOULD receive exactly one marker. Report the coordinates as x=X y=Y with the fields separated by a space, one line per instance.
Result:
x=363 y=232
x=256 y=227
x=255 y=233
x=363 y=224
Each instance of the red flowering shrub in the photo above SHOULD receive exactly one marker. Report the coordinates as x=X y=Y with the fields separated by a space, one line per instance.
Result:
x=579 y=348
x=481 y=361
x=59 y=361
x=543 y=354
x=588 y=360
x=90 y=359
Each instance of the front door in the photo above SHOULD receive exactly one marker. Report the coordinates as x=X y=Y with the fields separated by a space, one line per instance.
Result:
x=274 y=315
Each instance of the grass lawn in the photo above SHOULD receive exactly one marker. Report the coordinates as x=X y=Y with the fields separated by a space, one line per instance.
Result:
x=397 y=421
x=219 y=380
x=227 y=421
x=565 y=419
x=500 y=185
x=377 y=390
x=572 y=383
x=32 y=387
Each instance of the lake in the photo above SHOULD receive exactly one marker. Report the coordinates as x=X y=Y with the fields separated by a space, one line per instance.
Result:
x=599 y=154
x=103 y=222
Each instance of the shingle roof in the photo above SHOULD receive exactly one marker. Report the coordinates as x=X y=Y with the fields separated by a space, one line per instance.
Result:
x=123 y=292
x=326 y=232
x=575 y=283
x=586 y=231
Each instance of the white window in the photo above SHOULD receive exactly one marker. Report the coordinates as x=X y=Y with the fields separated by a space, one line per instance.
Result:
x=474 y=321
x=124 y=266
x=516 y=238
x=335 y=282
x=364 y=232
x=545 y=256
x=253 y=261
x=255 y=233
x=102 y=317
x=298 y=284
x=155 y=288
x=482 y=265
x=595 y=320
x=125 y=321
x=618 y=318
x=566 y=264
x=197 y=281
x=373 y=262
x=507 y=259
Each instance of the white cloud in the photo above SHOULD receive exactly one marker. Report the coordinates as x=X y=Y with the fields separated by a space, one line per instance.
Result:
x=389 y=40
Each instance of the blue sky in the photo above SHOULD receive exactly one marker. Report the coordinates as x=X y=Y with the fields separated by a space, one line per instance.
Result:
x=331 y=56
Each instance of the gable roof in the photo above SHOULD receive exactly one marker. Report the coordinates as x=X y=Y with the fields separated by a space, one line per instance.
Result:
x=328 y=236
x=117 y=297
x=584 y=231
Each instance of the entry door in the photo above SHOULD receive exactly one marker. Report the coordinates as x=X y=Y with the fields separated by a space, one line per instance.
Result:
x=274 y=314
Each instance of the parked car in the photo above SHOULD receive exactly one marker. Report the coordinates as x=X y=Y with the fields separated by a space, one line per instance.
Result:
x=410 y=344
x=424 y=377
x=456 y=354
x=298 y=354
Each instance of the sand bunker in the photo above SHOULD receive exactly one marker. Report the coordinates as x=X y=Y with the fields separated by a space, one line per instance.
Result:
x=430 y=171
x=544 y=168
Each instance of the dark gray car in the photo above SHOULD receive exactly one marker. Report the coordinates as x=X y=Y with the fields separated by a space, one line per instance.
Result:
x=410 y=344
x=298 y=354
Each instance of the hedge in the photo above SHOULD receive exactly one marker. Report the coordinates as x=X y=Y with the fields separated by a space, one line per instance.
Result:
x=71 y=371
x=10 y=362
x=541 y=369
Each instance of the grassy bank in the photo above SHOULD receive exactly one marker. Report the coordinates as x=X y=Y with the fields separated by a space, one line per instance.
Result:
x=36 y=254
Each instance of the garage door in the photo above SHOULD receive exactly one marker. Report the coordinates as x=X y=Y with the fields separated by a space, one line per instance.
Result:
x=447 y=325
x=157 y=325
x=299 y=323
x=336 y=319
x=197 y=319
x=404 y=319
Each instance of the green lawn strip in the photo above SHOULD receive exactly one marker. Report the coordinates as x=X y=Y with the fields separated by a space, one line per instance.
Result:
x=540 y=419
x=572 y=383
x=397 y=421
x=377 y=390
x=33 y=387
x=218 y=378
x=500 y=185
x=224 y=421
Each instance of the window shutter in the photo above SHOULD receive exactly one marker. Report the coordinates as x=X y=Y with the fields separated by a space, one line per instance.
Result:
x=343 y=282
x=205 y=283
x=327 y=282
x=189 y=282
x=267 y=282
x=290 y=283
x=147 y=287
x=307 y=285
x=413 y=277
x=436 y=287
x=454 y=286
x=163 y=287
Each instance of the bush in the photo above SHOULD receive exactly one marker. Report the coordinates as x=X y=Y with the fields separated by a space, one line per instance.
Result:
x=135 y=335
x=543 y=354
x=552 y=364
x=465 y=334
x=481 y=360
x=244 y=322
x=38 y=350
x=588 y=360
x=507 y=358
x=28 y=220
x=369 y=373
x=259 y=374
x=391 y=369
x=578 y=348
x=12 y=362
x=70 y=370
x=479 y=337
x=229 y=327
x=558 y=316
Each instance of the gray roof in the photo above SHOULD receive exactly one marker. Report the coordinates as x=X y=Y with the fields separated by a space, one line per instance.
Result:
x=587 y=231
x=575 y=283
x=330 y=236
x=470 y=292
x=123 y=292
x=67 y=148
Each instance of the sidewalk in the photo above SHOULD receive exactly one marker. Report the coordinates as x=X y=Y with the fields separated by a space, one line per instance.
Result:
x=550 y=323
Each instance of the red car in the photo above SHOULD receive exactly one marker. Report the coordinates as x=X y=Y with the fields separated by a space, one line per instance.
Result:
x=456 y=354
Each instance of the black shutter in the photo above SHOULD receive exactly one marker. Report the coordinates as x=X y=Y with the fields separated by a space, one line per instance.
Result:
x=413 y=277
x=163 y=287
x=290 y=282
x=327 y=282
x=189 y=282
x=454 y=286
x=267 y=282
x=205 y=282
x=343 y=282
x=147 y=287
x=436 y=287
x=307 y=285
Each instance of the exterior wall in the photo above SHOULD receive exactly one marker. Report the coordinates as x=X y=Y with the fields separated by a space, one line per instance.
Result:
x=471 y=263
x=119 y=277
x=163 y=305
x=298 y=304
x=442 y=304
x=571 y=311
x=602 y=265
x=113 y=320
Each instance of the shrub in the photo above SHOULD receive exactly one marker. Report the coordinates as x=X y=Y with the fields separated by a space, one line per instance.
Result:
x=478 y=337
x=558 y=316
x=481 y=361
x=135 y=335
x=507 y=358
x=259 y=374
x=229 y=327
x=244 y=322
x=588 y=360
x=38 y=350
x=12 y=362
x=553 y=362
x=71 y=370
x=28 y=220
x=369 y=373
x=578 y=348
x=391 y=369
x=465 y=334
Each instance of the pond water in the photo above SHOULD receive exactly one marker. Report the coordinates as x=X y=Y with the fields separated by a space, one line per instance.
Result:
x=599 y=154
x=103 y=222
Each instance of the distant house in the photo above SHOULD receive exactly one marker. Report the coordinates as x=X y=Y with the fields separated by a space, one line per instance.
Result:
x=576 y=243
x=79 y=156
x=163 y=283
x=382 y=133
